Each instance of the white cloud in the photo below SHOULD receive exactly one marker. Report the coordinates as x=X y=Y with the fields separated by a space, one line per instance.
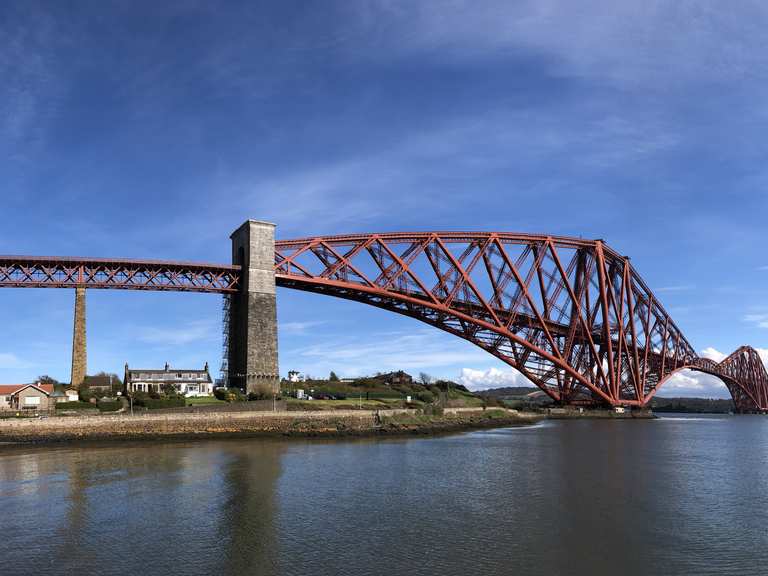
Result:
x=760 y=320
x=712 y=354
x=628 y=43
x=419 y=350
x=196 y=331
x=491 y=378
x=690 y=383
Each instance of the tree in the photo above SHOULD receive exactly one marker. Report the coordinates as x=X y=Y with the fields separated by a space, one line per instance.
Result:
x=45 y=379
x=170 y=390
x=424 y=379
x=333 y=377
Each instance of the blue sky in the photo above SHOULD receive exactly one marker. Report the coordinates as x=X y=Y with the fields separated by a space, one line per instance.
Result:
x=152 y=130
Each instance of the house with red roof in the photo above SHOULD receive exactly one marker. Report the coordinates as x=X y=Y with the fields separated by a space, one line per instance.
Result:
x=26 y=396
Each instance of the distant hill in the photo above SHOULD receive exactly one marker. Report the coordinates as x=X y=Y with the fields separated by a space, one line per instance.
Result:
x=658 y=403
x=508 y=392
x=692 y=405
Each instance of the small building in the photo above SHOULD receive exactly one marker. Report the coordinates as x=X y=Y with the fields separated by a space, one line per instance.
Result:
x=26 y=397
x=186 y=381
x=72 y=394
x=398 y=378
x=102 y=384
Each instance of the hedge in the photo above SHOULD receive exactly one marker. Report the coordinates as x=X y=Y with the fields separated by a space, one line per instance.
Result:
x=156 y=403
x=76 y=405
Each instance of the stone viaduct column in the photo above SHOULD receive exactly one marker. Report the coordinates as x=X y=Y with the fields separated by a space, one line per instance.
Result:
x=253 y=311
x=79 y=354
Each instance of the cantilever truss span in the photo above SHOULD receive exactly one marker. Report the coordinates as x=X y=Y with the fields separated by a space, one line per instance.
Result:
x=572 y=315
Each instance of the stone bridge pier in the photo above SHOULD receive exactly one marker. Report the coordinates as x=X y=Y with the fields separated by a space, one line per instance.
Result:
x=253 y=311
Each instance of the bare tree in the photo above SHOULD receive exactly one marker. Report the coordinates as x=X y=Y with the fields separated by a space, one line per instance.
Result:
x=424 y=379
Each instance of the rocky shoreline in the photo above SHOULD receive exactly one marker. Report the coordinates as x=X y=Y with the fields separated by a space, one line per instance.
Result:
x=328 y=424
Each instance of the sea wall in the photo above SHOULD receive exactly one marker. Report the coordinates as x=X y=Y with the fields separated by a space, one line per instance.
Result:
x=279 y=423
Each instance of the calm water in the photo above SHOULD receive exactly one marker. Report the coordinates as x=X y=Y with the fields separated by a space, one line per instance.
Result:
x=671 y=496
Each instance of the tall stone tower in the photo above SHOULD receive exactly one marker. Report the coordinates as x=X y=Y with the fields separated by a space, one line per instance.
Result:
x=253 y=311
x=79 y=353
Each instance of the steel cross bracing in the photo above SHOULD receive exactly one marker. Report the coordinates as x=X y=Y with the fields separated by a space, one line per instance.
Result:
x=571 y=315
x=53 y=272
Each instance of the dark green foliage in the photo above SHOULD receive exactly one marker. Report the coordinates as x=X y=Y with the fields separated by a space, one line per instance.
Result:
x=154 y=403
x=426 y=396
x=110 y=406
x=74 y=405
x=170 y=390
x=333 y=377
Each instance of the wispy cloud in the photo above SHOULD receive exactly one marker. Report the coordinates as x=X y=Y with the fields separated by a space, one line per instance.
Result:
x=9 y=361
x=760 y=319
x=31 y=89
x=623 y=42
x=417 y=350
x=491 y=378
x=298 y=328
x=676 y=288
x=187 y=333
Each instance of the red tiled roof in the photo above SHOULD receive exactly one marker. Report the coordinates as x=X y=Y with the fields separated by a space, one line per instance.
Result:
x=9 y=389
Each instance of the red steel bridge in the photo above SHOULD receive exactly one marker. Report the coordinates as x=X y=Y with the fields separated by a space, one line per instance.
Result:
x=571 y=315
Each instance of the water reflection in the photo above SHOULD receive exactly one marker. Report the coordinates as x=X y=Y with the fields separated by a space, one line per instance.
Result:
x=143 y=509
x=591 y=497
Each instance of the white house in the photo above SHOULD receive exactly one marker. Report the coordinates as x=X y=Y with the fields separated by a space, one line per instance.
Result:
x=188 y=382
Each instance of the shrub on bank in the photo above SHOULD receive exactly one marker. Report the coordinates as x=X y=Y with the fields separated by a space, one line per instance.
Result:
x=229 y=394
x=156 y=403
x=76 y=405
x=110 y=406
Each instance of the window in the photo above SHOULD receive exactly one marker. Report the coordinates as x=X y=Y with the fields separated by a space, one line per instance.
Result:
x=32 y=401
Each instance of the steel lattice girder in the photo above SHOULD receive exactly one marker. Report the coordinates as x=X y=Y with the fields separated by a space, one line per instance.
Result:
x=50 y=272
x=572 y=315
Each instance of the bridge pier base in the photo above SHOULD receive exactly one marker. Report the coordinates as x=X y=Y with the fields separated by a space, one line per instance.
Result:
x=253 y=363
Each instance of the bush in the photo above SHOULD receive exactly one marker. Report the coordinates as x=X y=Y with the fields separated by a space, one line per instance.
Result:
x=229 y=394
x=155 y=403
x=433 y=410
x=110 y=405
x=73 y=405
x=427 y=397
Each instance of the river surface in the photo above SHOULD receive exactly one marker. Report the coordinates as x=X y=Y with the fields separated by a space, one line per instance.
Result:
x=676 y=495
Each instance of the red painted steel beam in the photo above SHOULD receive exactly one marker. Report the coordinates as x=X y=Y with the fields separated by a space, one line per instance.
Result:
x=109 y=273
x=570 y=314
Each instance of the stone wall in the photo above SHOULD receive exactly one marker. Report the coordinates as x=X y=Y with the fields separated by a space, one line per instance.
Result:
x=279 y=423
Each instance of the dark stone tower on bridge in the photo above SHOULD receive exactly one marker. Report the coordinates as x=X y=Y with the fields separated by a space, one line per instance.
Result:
x=253 y=311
